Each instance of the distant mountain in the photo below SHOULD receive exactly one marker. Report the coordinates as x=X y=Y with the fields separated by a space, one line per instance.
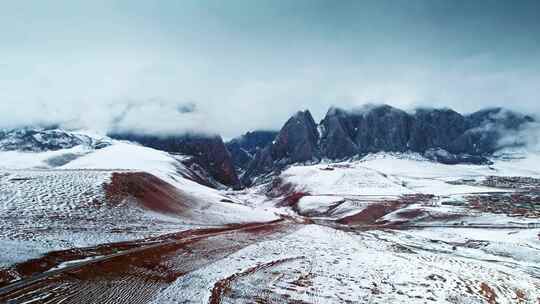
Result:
x=442 y=135
x=206 y=151
x=244 y=148
x=32 y=139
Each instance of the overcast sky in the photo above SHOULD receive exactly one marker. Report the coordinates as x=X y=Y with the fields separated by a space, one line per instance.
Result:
x=250 y=64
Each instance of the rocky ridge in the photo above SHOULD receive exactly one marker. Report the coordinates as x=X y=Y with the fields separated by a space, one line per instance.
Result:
x=441 y=135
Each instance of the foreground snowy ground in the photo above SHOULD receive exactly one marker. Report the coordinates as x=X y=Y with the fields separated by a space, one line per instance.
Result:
x=319 y=264
x=387 y=228
x=435 y=241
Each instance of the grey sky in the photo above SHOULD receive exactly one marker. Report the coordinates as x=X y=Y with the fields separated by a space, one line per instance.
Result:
x=250 y=64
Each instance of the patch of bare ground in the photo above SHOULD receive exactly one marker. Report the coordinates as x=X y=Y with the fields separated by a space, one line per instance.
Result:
x=136 y=276
x=372 y=213
x=150 y=192
x=488 y=293
x=288 y=193
x=55 y=258
x=521 y=297
x=522 y=204
x=223 y=286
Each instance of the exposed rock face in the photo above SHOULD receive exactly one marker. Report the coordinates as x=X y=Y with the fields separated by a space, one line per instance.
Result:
x=244 y=148
x=435 y=128
x=338 y=131
x=382 y=128
x=261 y=164
x=442 y=135
x=209 y=152
x=297 y=141
x=498 y=116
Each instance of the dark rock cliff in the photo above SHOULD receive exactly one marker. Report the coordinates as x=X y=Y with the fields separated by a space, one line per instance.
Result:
x=442 y=135
x=244 y=148
x=297 y=141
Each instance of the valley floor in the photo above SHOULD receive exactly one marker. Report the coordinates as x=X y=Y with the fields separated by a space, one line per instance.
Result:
x=295 y=261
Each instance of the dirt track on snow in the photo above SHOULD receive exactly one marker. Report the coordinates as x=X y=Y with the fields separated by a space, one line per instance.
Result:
x=136 y=274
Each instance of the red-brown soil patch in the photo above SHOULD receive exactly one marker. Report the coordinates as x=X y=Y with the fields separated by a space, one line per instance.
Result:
x=372 y=213
x=135 y=277
x=488 y=293
x=521 y=297
x=54 y=258
x=411 y=213
x=292 y=199
x=150 y=192
x=288 y=192
x=223 y=286
x=526 y=204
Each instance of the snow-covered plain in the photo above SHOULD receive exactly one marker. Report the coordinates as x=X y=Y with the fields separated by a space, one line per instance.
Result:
x=319 y=264
x=391 y=174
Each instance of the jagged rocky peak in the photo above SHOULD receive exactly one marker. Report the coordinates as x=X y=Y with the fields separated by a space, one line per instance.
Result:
x=298 y=139
x=337 y=133
x=207 y=151
x=375 y=128
x=39 y=139
x=442 y=135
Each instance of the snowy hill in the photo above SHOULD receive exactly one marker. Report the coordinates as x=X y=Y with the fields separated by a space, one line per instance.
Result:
x=63 y=197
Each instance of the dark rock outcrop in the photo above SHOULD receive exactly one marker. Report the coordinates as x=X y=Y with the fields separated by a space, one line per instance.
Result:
x=435 y=128
x=382 y=128
x=244 y=148
x=370 y=129
x=442 y=135
x=209 y=152
x=338 y=131
x=297 y=141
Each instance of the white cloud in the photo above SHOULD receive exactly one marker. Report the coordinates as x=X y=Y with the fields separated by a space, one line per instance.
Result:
x=83 y=66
